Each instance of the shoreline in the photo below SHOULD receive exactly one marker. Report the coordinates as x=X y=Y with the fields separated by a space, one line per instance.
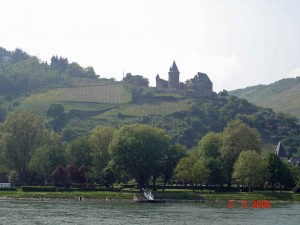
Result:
x=169 y=196
x=116 y=200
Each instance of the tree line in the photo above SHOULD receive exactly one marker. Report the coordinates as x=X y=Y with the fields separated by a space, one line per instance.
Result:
x=21 y=73
x=143 y=154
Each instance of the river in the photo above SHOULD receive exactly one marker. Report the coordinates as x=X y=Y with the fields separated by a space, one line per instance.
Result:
x=114 y=213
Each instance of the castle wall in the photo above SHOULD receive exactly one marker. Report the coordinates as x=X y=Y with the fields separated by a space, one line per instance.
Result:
x=161 y=84
x=199 y=86
x=173 y=80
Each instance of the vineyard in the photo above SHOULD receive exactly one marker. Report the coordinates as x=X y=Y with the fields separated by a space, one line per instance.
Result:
x=81 y=98
x=92 y=99
x=162 y=109
x=37 y=101
x=114 y=94
x=165 y=108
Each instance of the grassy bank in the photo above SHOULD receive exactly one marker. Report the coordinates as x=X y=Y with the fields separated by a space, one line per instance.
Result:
x=65 y=195
x=205 y=196
x=177 y=195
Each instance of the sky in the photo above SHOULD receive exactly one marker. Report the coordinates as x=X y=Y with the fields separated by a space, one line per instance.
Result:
x=238 y=43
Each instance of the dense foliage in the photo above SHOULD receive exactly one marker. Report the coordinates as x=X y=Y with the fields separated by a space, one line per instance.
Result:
x=63 y=147
x=21 y=73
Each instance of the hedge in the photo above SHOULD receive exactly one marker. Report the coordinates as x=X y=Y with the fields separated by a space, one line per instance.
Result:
x=38 y=189
x=8 y=189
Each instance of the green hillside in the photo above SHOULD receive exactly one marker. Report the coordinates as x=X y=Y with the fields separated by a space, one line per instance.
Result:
x=81 y=97
x=282 y=96
x=88 y=100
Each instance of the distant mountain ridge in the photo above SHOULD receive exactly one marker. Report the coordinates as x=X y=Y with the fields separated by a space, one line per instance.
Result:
x=282 y=95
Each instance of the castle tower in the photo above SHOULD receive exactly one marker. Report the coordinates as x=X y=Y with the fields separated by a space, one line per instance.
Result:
x=173 y=77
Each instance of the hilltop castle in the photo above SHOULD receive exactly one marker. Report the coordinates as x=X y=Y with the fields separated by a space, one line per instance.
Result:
x=199 y=86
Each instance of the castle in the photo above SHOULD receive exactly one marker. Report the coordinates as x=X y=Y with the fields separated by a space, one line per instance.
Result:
x=280 y=152
x=199 y=86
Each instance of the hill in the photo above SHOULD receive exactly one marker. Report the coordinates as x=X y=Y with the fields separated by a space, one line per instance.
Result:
x=282 y=96
x=28 y=84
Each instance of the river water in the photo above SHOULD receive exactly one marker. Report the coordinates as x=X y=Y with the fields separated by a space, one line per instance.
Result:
x=114 y=213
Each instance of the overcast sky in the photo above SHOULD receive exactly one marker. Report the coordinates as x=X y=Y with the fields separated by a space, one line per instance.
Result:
x=238 y=43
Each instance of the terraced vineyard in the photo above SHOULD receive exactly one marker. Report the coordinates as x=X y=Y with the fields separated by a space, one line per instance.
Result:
x=83 y=98
x=165 y=108
x=114 y=94
x=162 y=109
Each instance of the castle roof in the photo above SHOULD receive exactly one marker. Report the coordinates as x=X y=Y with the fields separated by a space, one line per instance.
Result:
x=295 y=160
x=202 y=77
x=174 y=67
x=280 y=150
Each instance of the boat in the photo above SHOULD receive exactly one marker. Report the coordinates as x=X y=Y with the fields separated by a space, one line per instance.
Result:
x=149 y=198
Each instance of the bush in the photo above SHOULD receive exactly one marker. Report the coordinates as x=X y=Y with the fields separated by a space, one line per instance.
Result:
x=38 y=189
x=87 y=189
x=8 y=189
x=296 y=189
x=231 y=189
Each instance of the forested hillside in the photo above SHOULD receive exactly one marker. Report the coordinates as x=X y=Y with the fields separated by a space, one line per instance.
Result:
x=61 y=123
x=21 y=74
x=282 y=96
x=86 y=101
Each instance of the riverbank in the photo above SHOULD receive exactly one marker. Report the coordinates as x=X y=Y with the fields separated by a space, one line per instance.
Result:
x=169 y=195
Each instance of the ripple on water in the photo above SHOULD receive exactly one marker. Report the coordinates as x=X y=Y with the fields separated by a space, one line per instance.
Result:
x=115 y=213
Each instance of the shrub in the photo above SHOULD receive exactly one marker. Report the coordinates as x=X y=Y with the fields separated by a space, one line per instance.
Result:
x=8 y=189
x=38 y=189
x=296 y=189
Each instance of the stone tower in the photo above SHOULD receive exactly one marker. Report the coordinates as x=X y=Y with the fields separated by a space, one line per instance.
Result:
x=173 y=77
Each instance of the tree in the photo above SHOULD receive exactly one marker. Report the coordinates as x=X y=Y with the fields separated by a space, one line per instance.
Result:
x=79 y=152
x=250 y=169
x=210 y=145
x=138 y=149
x=237 y=137
x=184 y=169
x=60 y=175
x=135 y=84
x=60 y=64
x=108 y=175
x=192 y=170
x=171 y=158
x=13 y=177
x=200 y=172
x=75 y=70
x=23 y=132
x=56 y=111
x=47 y=157
x=90 y=72
x=82 y=174
x=2 y=112
x=72 y=173
x=215 y=176
x=99 y=140
x=290 y=175
x=275 y=168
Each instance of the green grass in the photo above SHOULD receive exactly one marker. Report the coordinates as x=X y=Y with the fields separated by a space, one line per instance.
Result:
x=168 y=195
x=277 y=196
x=66 y=195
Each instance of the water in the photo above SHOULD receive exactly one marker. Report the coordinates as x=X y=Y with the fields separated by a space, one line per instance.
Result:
x=90 y=213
